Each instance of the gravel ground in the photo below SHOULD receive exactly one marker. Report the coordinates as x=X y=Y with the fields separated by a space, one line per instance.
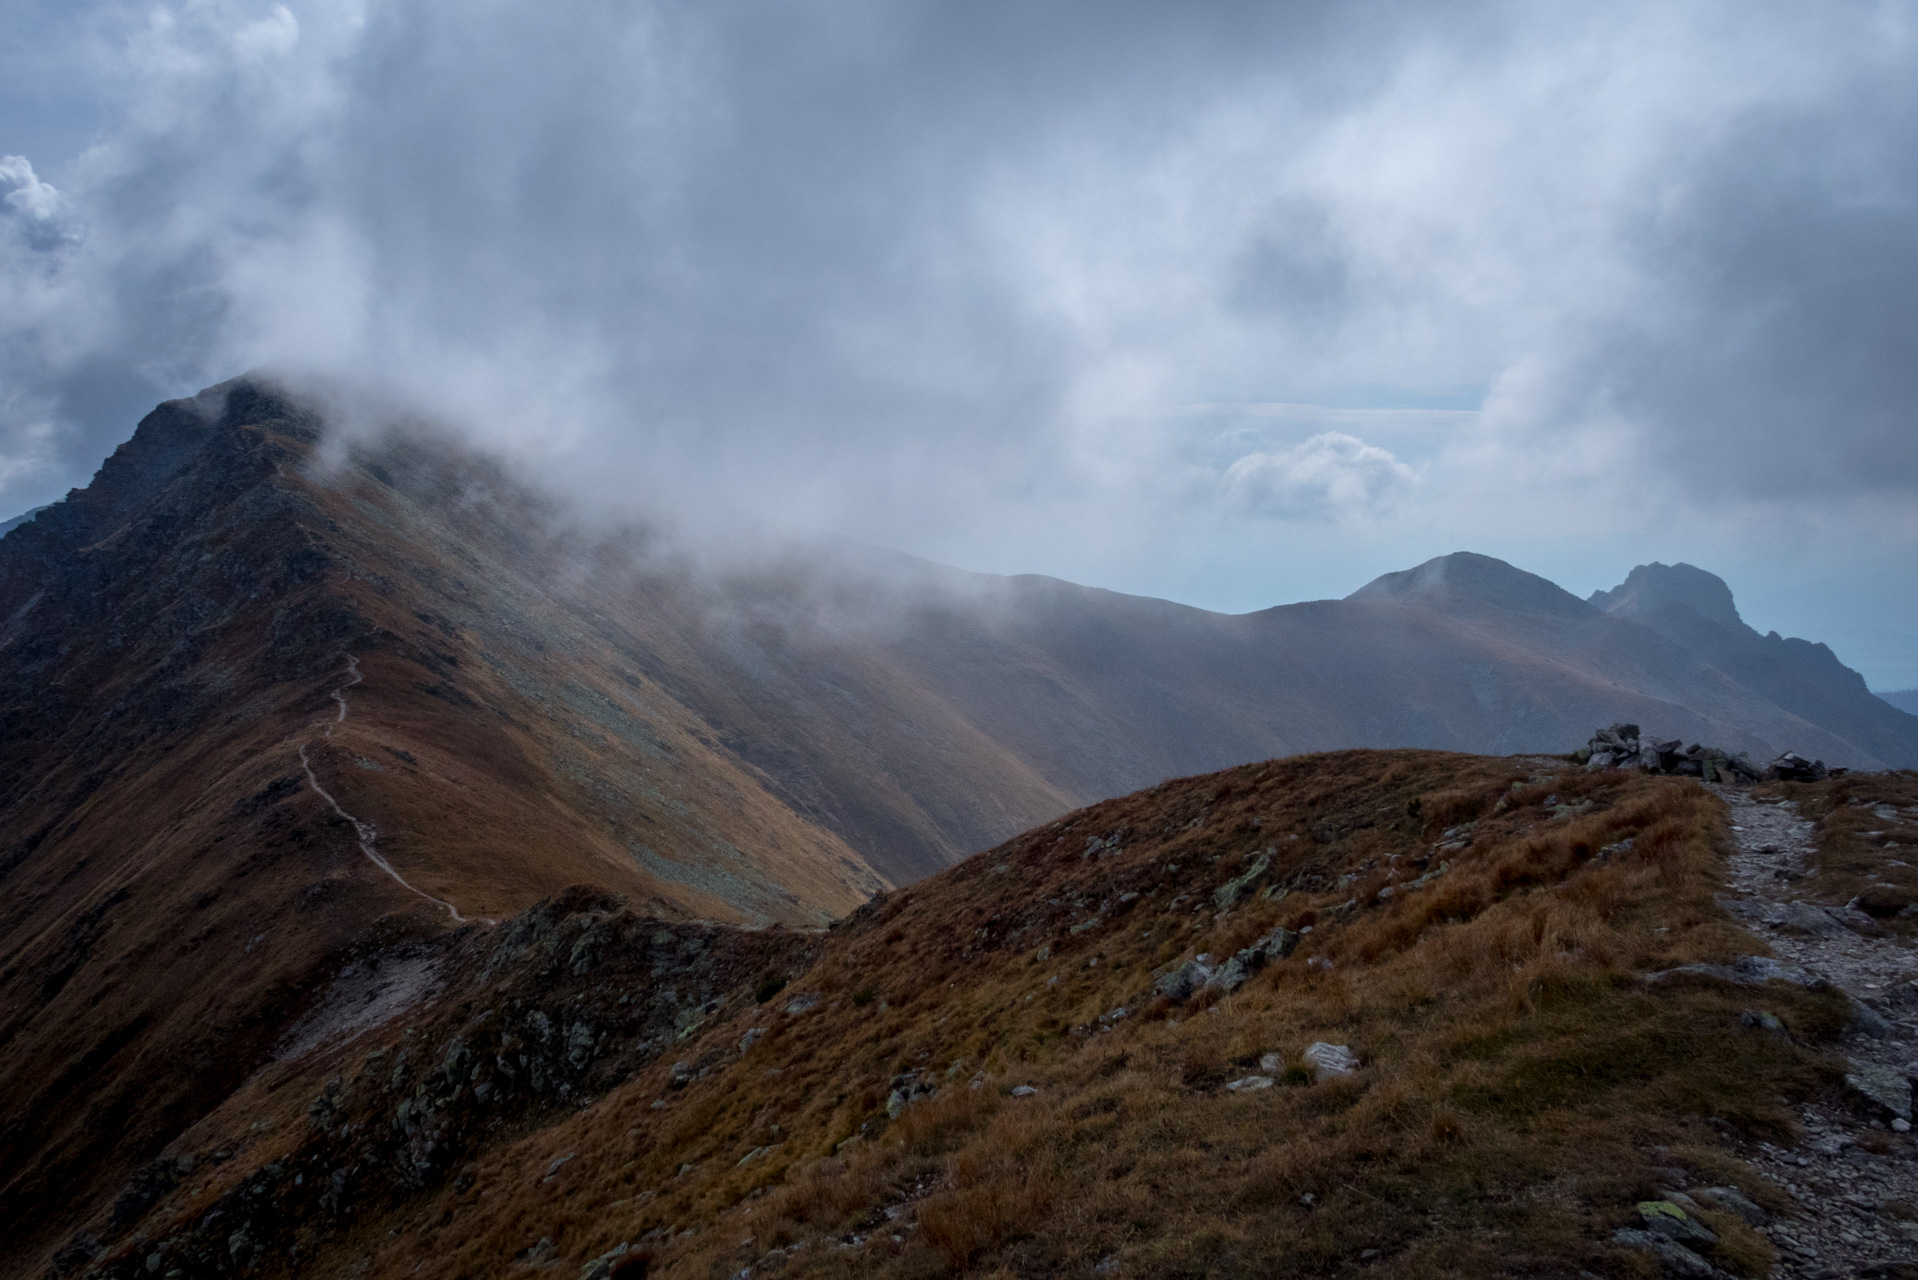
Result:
x=1854 y=1176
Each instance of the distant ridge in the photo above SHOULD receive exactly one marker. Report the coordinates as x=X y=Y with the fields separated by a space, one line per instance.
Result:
x=1905 y=700
x=1466 y=582
x=8 y=526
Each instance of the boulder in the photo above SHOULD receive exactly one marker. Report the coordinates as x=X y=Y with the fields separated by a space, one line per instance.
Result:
x=1792 y=767
x=907 y=1088
x=1251 y=1083
x=1732 y=1200
x=1808 y=917
x=1663 y=1218
x=602 y=1267
x=1759 y=1020
x=1179 y=985
x=1881 y=1085
x=1867 y=1021
x=1674 y=1258
x=1330 y=1060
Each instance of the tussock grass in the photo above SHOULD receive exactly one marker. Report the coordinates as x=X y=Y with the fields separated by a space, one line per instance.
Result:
x=1519 y=1084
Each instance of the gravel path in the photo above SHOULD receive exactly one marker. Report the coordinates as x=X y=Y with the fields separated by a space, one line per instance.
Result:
x=1855 y=1178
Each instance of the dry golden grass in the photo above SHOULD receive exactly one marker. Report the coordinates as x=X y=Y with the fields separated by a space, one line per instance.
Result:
x=1519 y=1084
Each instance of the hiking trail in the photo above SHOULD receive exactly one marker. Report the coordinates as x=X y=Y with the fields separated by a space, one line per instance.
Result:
x=365 y=832
x=1855 y=1181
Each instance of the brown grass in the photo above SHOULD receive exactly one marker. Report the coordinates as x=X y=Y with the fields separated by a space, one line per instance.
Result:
x=1519 y=1085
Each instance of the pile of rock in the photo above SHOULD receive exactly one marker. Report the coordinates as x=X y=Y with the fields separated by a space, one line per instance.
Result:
x=1793 y=767
x=1623 y=747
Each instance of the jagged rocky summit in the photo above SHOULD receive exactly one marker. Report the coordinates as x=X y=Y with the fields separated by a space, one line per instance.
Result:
x=1622 y=746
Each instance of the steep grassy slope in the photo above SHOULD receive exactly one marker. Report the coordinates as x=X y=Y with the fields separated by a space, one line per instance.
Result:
x=178 y=669
x=975 y=1075
x=265 y=704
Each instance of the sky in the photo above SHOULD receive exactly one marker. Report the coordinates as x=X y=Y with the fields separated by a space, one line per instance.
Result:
x=1235 y=304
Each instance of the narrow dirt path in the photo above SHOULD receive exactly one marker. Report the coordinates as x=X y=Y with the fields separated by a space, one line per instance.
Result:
x=366 y=833
x=1855 y=1177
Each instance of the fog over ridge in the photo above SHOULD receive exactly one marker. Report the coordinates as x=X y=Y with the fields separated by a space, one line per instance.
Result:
x=1229 y=303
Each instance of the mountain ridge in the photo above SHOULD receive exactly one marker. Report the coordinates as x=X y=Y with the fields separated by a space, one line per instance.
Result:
x=195 y=798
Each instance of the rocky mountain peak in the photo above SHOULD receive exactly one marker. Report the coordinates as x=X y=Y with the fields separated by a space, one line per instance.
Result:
x=1471 y=584
x=1652 y=587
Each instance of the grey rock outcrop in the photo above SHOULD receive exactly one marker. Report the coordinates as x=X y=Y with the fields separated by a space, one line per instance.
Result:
x=1179 y=985
x=1228 y=894
x=1231 y=975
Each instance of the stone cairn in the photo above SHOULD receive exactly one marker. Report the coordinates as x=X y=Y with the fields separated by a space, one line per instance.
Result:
x=1623 y=747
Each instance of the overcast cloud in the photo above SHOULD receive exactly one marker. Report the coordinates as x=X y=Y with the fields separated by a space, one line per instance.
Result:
x=1232 y=303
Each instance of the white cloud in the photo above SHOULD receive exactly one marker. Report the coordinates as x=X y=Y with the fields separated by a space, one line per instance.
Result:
x=1331 y=474
x=928 y=273
x=26 y=194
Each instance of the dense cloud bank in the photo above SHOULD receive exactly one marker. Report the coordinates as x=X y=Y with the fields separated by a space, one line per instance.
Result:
x=1064 y=286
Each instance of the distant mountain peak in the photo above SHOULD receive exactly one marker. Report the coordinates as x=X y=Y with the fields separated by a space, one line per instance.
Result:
x=1651 y=587
x=1469 y=583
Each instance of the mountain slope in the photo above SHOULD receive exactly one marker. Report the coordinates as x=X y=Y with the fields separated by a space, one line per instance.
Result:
x=1021 y=1068
x=265 y=706
x=182 y=739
